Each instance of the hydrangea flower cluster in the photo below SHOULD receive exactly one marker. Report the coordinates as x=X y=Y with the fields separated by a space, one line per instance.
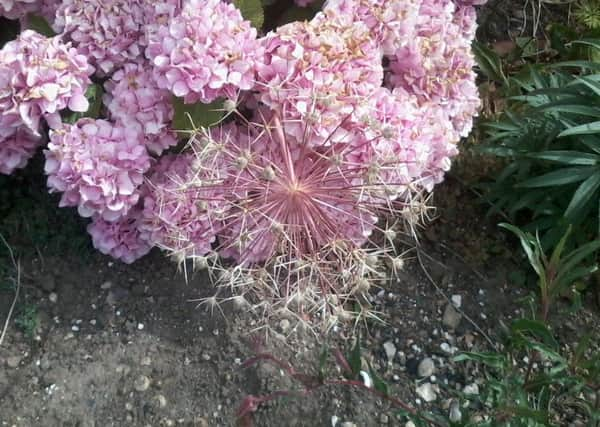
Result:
x=97 y=166
x=330 y=127
x=108 y=32
x=205 y=52
x=120 y=239
x=40 y=76
x=134 y=99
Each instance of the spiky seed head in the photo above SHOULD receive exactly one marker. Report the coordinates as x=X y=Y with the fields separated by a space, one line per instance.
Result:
x=390 y=234
x=398 y=263
x=241 y=163
x=201 y=263
x=268 y=173
x=229 y=105
x=371 y=260
x=388 y=132
x=240 y=303
x=362 y=286
x=202 y=205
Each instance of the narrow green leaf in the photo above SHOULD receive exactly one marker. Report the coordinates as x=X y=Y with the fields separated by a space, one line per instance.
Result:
x=252 y=10
x=567 y=157
x=379 y=384
x=493 y=360
x=489 y=62
x=354 y=358
x=536 y=329
x=585 y=129
x=562 y=176
x=586 y=192
x=558 y=249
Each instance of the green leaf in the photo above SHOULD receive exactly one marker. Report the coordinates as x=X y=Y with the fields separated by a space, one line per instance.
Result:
x=587 y=191
x=530 y=246
x=323 y=357
x=558 y=249
x=585 y=129
x=489 y=62
x=39 y=24
x=94 y=96
x=252 y=10
x=354 y=358
x=562 y=176
x=190 y=117
x=536 y=329
x=567 y=157
x=379 y=384
x=525 y=412
x=493 y=360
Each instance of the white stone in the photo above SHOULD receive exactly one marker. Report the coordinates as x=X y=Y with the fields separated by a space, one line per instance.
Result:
x=427 y=392
x=472 y=389
x=456 y=300
x=390 y=350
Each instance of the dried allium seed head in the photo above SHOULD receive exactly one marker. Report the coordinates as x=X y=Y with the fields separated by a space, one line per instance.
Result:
x=240 y=303
x=398 y=263
x=201 y=263
x=268 y=173
x=363 y=285
x=390 y=234
x=229 y=105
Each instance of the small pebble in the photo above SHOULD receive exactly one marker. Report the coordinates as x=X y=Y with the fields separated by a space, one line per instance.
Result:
x=142 y=383
x=472 y=389
x=13 y=362
x=427 y=392
x=426 y=368
x=53 y=297
x=456 y=300
x=106 y=285
x=390 y=350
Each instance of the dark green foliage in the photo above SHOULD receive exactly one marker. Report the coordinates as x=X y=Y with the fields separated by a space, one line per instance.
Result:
x=549 y=139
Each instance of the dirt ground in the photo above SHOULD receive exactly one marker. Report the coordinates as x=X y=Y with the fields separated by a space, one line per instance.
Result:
x=93 y=342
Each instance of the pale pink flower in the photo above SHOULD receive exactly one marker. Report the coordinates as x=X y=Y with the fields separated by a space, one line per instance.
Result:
x=177 y=214
x=120 y=239
x=108 y=32
x=133 y=98
x=39 y=77
x=205 y=52
x=98 y=166
x=16 y=149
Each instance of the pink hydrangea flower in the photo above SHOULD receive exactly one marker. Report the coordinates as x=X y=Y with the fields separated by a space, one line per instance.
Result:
x=177 y=214
x=44 y=8
x=437 y=65
x=16 y=149
x=15 y=9
x=40 y=76
x=98 y=166
x=120 y=239
x=390 y=22
x=205 y=52
x=133 y=98
x=315 y=73
x=108 y=32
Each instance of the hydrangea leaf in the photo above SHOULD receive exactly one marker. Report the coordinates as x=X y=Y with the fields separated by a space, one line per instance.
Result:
x=94 y=95
x=39 y=24
x=252 y=11
x=189 y=117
